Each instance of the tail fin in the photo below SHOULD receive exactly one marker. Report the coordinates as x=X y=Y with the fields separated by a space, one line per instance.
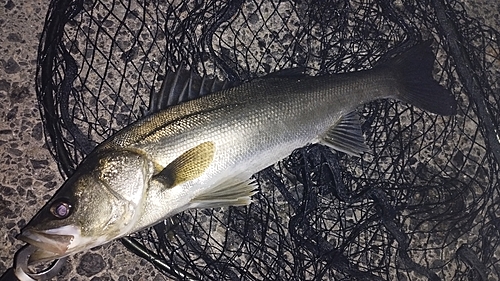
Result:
x=416 y=84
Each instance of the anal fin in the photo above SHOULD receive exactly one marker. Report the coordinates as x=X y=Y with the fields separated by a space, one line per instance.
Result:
x=232 y=193
x=346 y=136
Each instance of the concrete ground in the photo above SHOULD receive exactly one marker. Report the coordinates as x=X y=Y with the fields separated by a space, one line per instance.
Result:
x=29 y=175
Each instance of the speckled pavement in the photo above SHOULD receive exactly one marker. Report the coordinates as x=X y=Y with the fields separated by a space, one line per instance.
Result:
x=29 y=175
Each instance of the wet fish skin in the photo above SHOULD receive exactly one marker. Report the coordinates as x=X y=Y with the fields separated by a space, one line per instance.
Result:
x=202 y=153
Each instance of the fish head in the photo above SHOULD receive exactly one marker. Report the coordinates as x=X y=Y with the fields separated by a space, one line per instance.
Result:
x=98 y=203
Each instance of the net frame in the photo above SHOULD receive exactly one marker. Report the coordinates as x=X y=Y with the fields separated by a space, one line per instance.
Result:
x=428 y=179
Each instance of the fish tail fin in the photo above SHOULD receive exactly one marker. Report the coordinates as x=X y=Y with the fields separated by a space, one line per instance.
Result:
x=416 y=84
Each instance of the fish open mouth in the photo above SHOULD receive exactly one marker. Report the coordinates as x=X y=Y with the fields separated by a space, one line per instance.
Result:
x=49 y=243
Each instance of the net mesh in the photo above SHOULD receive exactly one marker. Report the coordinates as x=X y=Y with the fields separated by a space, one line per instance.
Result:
x=422 y=204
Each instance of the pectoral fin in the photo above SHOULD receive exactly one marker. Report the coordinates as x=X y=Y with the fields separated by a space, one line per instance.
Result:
x=231 y=193
x=346 y=136
x=190 y=165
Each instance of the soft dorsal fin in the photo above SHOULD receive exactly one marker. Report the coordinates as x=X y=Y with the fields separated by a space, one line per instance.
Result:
x=346 y=136
x=190 y=165
x=183 y=85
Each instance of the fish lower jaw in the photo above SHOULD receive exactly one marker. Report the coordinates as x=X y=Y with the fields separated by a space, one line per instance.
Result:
x=79 y=245
x=57 y=243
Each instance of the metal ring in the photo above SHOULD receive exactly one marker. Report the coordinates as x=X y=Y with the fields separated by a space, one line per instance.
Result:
x=24 y=274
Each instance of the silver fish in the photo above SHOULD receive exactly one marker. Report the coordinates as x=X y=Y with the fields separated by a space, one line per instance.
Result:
x=202 y=153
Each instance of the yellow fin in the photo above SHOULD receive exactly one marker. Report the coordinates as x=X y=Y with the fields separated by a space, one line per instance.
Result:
x=190 y=165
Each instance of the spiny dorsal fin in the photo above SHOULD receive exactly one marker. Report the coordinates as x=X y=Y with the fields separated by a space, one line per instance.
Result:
x=230 y=193
x=183 y=85
x=346 y=136
x=190 y=165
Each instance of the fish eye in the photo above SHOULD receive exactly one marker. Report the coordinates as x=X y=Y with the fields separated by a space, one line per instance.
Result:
x=61 y=209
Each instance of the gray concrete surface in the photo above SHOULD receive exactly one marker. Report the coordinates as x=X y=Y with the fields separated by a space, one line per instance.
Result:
x=29 y=175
